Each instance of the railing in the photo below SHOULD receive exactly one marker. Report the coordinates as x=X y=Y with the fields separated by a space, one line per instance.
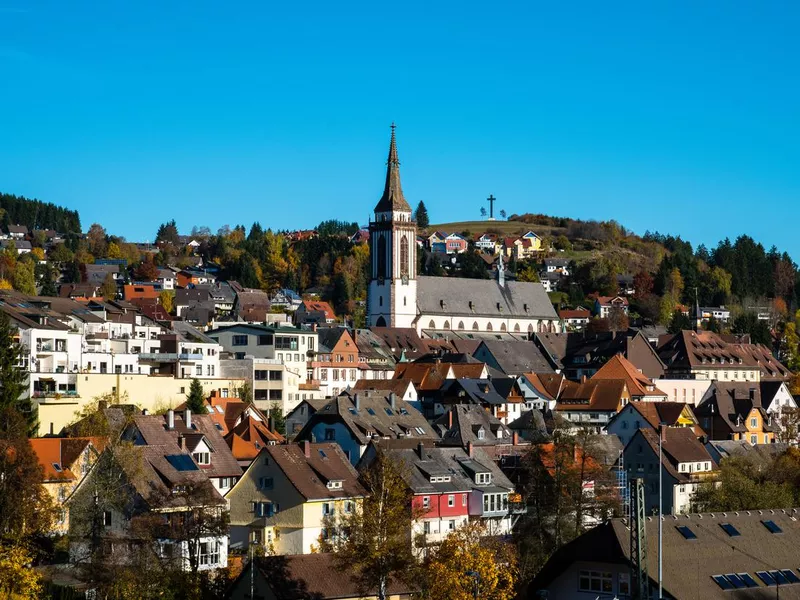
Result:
x=168 y=356
x=55 y=393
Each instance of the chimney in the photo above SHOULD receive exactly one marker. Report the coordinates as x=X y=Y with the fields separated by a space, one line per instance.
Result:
x=663 y=432
x=145 y=412
x=583 y=378
x=170 y=419
x=421 y=451
x=307 y=449
x=515 y=439
x=450 y=418
x=187 y=418
x=392 y=400
x=357 y=401
x=182 y=442
x=469 y=449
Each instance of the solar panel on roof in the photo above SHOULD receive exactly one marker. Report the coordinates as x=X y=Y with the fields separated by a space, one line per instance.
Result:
x=182 y=462
x=686 y=532
x=790 y=575
x=735 y=580
x=772 y=526
x=729 y=529
x=766 y=577
x=722 y=582
x=748 y=579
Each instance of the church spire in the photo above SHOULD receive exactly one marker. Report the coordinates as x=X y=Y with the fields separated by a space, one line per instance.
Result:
x=392 y=199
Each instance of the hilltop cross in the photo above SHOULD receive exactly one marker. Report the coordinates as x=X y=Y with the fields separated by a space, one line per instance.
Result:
x=491 y=199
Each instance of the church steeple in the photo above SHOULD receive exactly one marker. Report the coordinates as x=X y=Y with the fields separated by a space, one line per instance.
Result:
x=392 y=199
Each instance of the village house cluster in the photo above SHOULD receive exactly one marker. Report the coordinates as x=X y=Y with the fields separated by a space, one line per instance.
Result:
x=457 y=379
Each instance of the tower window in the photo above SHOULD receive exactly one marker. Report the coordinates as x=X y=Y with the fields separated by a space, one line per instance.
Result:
x=404 y=256
x=382 y=257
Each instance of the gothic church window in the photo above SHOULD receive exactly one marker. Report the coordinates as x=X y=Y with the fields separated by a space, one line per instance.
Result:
x=404 y=256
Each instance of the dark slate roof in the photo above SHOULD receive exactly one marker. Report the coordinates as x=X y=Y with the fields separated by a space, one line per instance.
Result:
x=732 y=402
x=460 y=425
x=451 y=297
x=688 y=565
x=517 y=358
x=679 y=446
x=531 y=426
x=370 y=413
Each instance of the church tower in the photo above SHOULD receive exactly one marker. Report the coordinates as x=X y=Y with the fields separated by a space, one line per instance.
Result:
x=392 y=295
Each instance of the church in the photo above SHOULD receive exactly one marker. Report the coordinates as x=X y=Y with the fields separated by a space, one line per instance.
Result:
x=399 y=297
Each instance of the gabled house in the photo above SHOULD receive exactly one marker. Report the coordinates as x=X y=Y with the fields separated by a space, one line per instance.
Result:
x=65 y=462
x=336 y=365
x=640 y=387
x=684 y=465
x=289 y=498
x=733 y=411
x=487 y=242
x=776 y=397
x=464 y=424
x=575 y=319
x=455 y=244
x=314 y=311
x=501 y=397
x=557 y=265
x=603 y=305
x=352 y=422
x=377 y=360
x=514 y=358
x=536 y=392
x=592 y=404
x=648 y=415
x=436 y=242
x=706 y=355
x=195 y=436
x=299 y=416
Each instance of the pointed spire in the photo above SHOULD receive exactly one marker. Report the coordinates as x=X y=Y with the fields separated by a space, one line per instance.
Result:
x=392 y=199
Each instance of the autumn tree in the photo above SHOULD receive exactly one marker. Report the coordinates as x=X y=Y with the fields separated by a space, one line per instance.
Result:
x=195 y=400
x=24 y=280
x=109 y=288
x=468 y=565
x=61 y=254
x=146 y=271
x=377 y=549
x=617 y=319
x=167 y=299
x=18 y=581
x=743 y=484
x=96 y=240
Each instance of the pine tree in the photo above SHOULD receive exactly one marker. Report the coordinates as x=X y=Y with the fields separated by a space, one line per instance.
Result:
x=195 y=401
x=421 y=215
x=13 y=379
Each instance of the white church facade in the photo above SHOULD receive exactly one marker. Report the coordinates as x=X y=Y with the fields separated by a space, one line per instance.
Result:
x=399 y=297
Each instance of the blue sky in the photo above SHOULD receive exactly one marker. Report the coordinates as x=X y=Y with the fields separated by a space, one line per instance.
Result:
x=677 y=116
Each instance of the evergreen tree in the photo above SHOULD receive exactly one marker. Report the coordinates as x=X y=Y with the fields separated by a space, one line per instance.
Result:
x=72 y=274
x=421 y=215
x=168 y=233
x=48 y=285
x=13 y=379
x=256 y=232
x=679 y=322
x=195 y=401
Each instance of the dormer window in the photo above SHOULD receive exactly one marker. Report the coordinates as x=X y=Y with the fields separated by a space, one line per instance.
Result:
x=481 y=434
x=335 y=484
x=202 y=458
x=483 y=478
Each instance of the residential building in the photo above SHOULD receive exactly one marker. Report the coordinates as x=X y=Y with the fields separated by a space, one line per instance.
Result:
x=575 y=320
x=536 y=393
x=733 y=411
x=648 y=415
x=352 y=422
x=514 y=358
x=286 y=299
x=685 y=464
x=297 y=418
x=291 y=497
x=640 y=387
x=455 y=244
x=374 y=355
x=592 y=404
x=314 y=311
x=251 y=306
x=464 y=424
x=706 y=355
x=557 y=265
x=499 y=396
x=603 y=305
x=707 y=556
x=336 y=364
x=487 y=242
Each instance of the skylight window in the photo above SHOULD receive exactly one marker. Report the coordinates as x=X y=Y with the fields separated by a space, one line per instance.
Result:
x=370 y=411
x=322 y=454
x=57 y=467
x=779 y=577
x=352 y=410
x=723 y=582
x=686 y=532
x=766 y=577
x=736 y=580
x=729 y=529
x=790 y=575
x=389 y=412
x=772 y=526
x=748 y=579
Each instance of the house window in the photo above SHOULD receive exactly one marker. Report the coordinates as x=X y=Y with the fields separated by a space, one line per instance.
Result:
x=623 y=584
x=426 y=502
x=265 y=340
x=330 y=435
x=107 y=518
x=595 y=581
x=275 y=375
x=323 y=374
x=198 y=370
x=451 y=525
x=426 y=527
x=209 y=553
x=463 y=499
x=239 y=340
x=326 y=508
x=349 y=507
x=265 y=483
x=451 y=500
x=754 y=422
x=202 y=458
x=754 y=439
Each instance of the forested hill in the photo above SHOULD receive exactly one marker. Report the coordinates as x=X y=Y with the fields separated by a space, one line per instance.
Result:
x=36 y=214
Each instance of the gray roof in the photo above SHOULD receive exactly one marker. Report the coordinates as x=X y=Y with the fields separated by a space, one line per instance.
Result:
x=451 y=296
x=516 y=358
x=190 y=334
x=462 y=422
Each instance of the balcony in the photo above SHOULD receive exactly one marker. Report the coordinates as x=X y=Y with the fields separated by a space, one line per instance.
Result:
x=166 y=357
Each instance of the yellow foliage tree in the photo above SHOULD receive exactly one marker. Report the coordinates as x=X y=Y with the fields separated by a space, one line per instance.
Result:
x=38 y=253
x=167 y=299
x=113 y=251
x=466 y=559
x=5 y=284
x=17 y=578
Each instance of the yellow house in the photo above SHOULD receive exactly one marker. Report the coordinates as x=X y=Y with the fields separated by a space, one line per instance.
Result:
x=733 y=411
x=65 y=462
x=291 y=496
